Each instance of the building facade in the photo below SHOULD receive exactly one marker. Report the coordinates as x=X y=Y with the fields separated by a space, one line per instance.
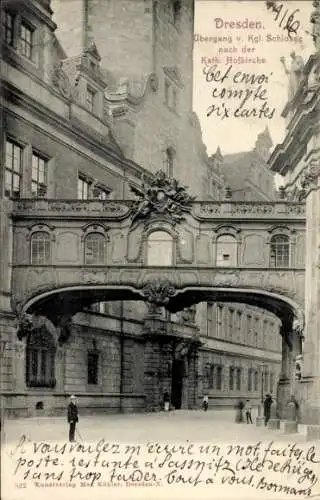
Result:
x=297 y=160
x=91 y=122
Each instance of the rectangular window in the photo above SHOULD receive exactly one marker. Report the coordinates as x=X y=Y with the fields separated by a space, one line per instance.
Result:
x=83 y=188
x=90 y=99
x=39 y=176
x=8 y=28
x=249 y=380
x=26 y=40
x=238 y=379
x=13 y=169
x=231 y=378
x=211 y=377
x=93 y=368
x=230 y=326
x=209 y=319
x=219 y=320
x=100 y=193
x=219 y=378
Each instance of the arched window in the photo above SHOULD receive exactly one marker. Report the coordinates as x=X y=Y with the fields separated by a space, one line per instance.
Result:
x=226 y=251
x=238 y=379
x=219 y=378
x=160 y=249
x=279 y=251
x=94 y=249
x=40 y=248
x=40 y=361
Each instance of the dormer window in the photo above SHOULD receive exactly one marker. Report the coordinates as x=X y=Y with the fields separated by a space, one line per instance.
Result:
x=90 y=94
x=26 y=40
x=8 y=28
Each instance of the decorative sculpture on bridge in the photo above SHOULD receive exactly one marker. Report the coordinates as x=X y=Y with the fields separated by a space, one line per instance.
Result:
x=158 y=292
x=162 y=196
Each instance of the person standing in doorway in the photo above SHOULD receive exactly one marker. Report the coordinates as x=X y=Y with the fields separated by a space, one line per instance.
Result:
x=267 y=408
x=248 y=409
x=73 y=417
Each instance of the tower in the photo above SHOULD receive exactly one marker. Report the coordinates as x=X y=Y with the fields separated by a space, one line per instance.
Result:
x=149 y=45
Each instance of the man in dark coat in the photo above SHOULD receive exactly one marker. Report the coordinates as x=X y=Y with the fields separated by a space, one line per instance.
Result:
x=72 y=417
x=267 y=408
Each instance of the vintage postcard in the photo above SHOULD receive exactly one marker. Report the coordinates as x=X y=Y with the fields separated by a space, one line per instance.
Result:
x=159 y=257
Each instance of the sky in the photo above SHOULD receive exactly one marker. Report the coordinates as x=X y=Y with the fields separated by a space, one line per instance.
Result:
x=222 y=128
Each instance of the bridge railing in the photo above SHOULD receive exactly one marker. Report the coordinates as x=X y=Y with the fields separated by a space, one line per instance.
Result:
x=201 y=210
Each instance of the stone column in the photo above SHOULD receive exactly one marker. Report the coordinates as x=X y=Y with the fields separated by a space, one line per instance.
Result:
x=311 y=353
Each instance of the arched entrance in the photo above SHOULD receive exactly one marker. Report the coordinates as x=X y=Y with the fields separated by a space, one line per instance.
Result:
x=174 y=367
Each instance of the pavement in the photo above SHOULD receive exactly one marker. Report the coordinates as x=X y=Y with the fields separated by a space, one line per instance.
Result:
x=175 y=426
x=178 y=454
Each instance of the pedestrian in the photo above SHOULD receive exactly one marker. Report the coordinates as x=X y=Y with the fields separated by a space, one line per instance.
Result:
x=267 y=408
x=73 y=417
x=205 y=402
x=166 y=401
x=239 y=412
x=248 y=409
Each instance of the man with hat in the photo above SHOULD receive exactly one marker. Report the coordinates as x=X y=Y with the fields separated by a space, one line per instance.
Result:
x=72 y=417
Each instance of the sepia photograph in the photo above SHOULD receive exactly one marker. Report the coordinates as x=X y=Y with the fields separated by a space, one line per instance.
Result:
x=160 y=249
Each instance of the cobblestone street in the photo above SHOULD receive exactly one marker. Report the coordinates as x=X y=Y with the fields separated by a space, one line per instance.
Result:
x=179 y=455
x=213 y=425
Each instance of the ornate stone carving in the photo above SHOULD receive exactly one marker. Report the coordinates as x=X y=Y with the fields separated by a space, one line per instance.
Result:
x=24 y=325
x=309 y=177
x=184 y=347
x=253 y=208
x=163 y=196
x=60 y=80
x=64 y=325
x=189 y=314
x=206 y=210
x=158 y=292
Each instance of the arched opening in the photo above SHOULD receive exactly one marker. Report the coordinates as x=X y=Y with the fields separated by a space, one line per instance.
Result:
x=279 y=251
x=226 y=251
x=40 y=359
x=40 y=248
x=160 y=249
x=94 y=249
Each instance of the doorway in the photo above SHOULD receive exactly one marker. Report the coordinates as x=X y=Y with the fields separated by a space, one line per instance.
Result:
x=177 y=381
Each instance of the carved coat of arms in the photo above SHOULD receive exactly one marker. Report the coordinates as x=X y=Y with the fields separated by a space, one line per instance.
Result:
x=162 y=196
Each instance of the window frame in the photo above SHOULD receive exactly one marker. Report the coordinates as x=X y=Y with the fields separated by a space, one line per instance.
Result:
x=172 y=241
x=41 y=358
x=36 y=182
x=233 y=261
x=84 y=182
x=274 y=251
x=23 y=42
x=101 y=251
x=11 y=170
x=47 y=249
x=96 y=379
x=8 y=29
